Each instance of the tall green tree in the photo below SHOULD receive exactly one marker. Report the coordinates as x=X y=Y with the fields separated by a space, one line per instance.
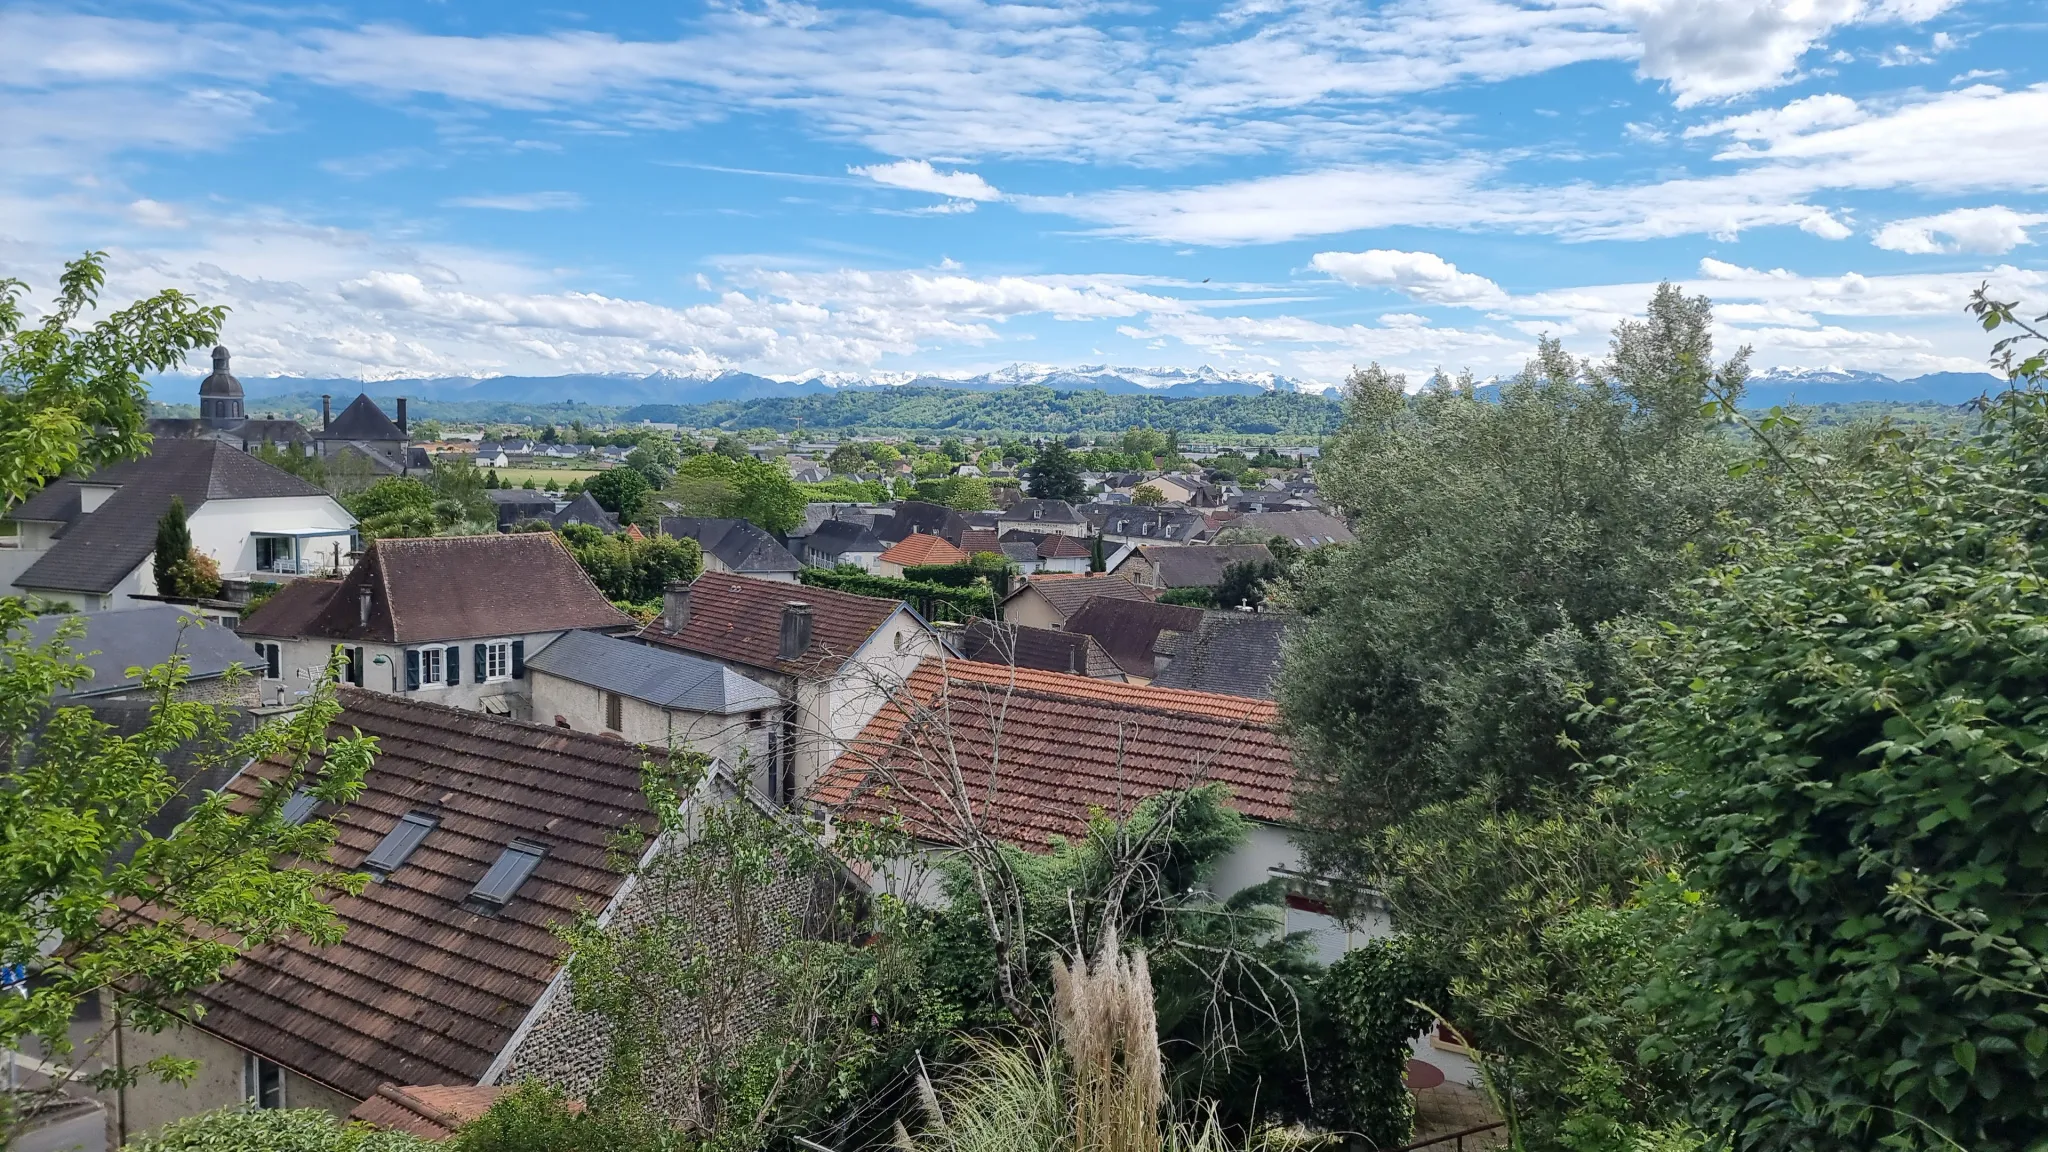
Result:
x=1438 y=656
x=72 y=398
x=1056 y=475
x=1845 y=733
x=718 y=485
x=620 y=490
x=171 y=559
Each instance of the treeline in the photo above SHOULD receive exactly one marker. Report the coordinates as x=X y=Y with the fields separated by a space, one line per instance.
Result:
x=1033 y=409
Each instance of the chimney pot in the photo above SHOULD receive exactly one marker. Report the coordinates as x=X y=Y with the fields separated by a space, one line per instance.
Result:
x=326 y=412
x=675 y=605
x=363 y=604
x=796 y=629
x=401 y=413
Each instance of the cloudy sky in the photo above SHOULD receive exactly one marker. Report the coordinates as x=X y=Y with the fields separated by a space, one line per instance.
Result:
x=1291 y=186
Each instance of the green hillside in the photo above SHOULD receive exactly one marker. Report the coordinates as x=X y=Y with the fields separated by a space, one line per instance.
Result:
x=1028 y=409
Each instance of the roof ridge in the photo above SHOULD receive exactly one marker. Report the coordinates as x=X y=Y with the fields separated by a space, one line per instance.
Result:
x=353 y=698
x=1096 y=687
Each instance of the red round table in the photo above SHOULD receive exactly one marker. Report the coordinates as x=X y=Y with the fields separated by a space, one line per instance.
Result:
x=1423 y=1074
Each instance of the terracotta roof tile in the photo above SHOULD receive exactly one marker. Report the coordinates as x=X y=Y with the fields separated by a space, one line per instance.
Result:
x=739 y=619
x=445 y=588
x=918 y=549
x=419 y=989
x=1039 y=751
x=975 y=540
x=429 y=1111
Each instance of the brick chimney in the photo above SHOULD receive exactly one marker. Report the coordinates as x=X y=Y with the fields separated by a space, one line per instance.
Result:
x=326 y=413
x=401 y=413
x=675 y=605
x=796 y=629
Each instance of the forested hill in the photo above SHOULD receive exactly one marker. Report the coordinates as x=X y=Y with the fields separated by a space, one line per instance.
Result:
x=1029 y=408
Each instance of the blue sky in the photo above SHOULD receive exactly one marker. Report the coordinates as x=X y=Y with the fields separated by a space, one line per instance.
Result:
x=1287 y=186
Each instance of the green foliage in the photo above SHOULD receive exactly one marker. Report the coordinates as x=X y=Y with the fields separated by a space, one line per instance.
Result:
x=622 y=491
x=718 y=484
x=1244 y=582
x=1555 y=929
x=294 y=461
x=843 y=491
x=72 y=399
x=1231 y=987
x=1056 y=475
x=1438 y=656
x=990 y=569
x=78 y=800
x=1189 y=597
x=1147 y=496
x=1371 y=1002
x=246 y=1129
x=1844 y=733
x=388 y=495
x=967 y=493
x=634 y=571
x=536 y=1118
x=170 y=561
x=932 y=601
x=765 y=1025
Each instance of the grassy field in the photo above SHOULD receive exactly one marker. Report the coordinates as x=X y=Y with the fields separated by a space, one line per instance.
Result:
x=518 y=477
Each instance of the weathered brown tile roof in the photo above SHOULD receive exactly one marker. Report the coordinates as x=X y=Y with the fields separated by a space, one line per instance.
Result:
x=918 y=549
x=1036 y=752
x=975 y=540
x=1068 y=591
x=1198 y=565
x=429 y=1111
x=1046 y=649
x=739 y=619
x=1058 y=546
x=420 y=990
x=1130 y=630
x=445 y=588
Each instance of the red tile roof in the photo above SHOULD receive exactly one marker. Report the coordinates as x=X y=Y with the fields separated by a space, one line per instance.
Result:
x=429 y=1111
x=1130 y=630
x=1035 y=752
x=420 y=990
x=976 y=540
x=1059 y=546
x=918 y=549
x=739 y=619
x=444 y=588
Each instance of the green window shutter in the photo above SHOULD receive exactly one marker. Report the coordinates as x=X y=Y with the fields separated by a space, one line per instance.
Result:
x=454 y=659
x=412 y=669
x=519 y=659
x=480 y=663
x=355 y=667
x=270 y=662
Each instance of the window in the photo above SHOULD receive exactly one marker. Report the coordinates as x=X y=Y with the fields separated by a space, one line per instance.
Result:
x=497 y=663
x=398 y=844
x=270 y=658
x=299 y=807
x=614 y=712
x=430 y=667
x=502 y=882
x=262 y=1082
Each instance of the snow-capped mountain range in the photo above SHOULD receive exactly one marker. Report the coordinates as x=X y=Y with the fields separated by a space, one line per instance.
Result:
x=1773 y=386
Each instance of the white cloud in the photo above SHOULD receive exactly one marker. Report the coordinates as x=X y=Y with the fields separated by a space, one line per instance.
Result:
x=1714 y=49
x=519 y=201
x=1992 y=231
x=920 y=176
x=1422 y=275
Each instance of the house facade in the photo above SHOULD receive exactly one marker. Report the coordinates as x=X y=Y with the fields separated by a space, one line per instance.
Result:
x=89 y=542
x=450 y=619
x=832 y=659
x=1047 y=600
x=659 y=697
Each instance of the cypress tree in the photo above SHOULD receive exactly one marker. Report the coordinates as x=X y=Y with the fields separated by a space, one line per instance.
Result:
x=1096 y=561
x=173 y=546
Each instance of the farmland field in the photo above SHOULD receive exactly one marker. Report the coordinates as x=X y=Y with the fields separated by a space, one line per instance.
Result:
x=517 y=477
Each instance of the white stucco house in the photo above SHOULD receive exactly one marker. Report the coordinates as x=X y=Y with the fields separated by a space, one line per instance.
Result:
x=450 y=620
x=88 y=542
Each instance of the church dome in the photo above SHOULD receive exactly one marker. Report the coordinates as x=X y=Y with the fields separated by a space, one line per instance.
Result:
x=221 y=383
x=220 y=395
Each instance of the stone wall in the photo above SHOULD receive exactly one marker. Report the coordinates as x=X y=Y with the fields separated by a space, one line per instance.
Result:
x=571 y=1049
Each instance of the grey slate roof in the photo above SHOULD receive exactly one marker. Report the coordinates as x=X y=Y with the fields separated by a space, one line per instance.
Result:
x=1306 y=529
x=1042 y=512
x=1235 y=653
x=741 y=545
x=1167 y=524
x=838 y=537
x=1200 y=566
x=913 y=516
x=98 y=548
x=144 y=637
x=662 y=677
x=361 y=420
x=585 y=509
